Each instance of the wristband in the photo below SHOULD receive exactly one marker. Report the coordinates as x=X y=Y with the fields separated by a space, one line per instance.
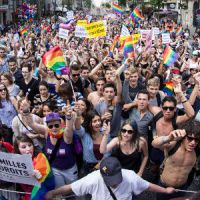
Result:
x=67 y=117
x=164 y=139
x=184 y=101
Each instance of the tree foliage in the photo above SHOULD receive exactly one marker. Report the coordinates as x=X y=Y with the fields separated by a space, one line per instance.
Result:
x=157 y=4
x=122 y=2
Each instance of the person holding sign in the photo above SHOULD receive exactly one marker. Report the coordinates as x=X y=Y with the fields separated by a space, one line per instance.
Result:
x=60 y=143
x=42 y=171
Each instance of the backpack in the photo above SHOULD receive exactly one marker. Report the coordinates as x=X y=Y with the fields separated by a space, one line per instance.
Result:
x=152 y=127
x=158 y=97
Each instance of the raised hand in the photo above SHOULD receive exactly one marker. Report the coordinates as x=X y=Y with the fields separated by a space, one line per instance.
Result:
x=177 y=135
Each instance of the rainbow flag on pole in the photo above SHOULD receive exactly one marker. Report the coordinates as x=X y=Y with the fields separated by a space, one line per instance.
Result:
x=54 y=59
x=179 y=30
x=169 y=57
x=169 y=88
x=137 y=14
x=128 y=47
x=24 y=32
x=117 y=9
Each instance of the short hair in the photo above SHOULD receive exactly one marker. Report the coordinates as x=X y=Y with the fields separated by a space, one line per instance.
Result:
x=110 y=85
x=155 y=82
x=169 y=99
x=84 y=67
x=8 y=76
x=12 y=59
x=75 y=67
x=100 y=79
x=133 y=70
x=27 y=65
x=143 y=92
x=191 y=127
x=65 y=90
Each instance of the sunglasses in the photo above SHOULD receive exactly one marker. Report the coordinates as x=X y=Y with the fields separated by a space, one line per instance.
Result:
x=168 y=107
x=190 y=139
x=75 y=75
x=53 y=125
x=4 y=89
x=128 y=131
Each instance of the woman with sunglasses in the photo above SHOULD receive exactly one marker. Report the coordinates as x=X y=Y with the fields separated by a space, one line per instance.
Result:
x=130 y=149
x=7 y=110
x=59 y=147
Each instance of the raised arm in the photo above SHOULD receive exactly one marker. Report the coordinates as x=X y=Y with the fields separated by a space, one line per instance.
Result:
x=105 y=146
x=189 y=111
x=168 y=141
x=196 y=89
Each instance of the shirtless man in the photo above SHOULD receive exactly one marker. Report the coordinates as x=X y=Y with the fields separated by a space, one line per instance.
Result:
x=179 y=147
x=94 y=97
x=166 y=120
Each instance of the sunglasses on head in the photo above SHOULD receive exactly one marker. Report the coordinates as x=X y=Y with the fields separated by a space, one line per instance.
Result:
x=190 y=139
x=168 y=107
x=75 y=75
x=128 y=131
x=53 y=125
x=4 y=89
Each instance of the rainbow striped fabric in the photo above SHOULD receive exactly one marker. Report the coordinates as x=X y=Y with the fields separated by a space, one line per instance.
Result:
x=169 y=56
x=114 y=45
x=24 y=32
x=169 y=88
x=137 y=14
x=117 y=9
x=54 y=59
x=179 y=30
x=47 y=181
x=128 y=47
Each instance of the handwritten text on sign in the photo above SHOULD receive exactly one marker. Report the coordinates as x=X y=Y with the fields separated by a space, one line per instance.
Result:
x=17 y=168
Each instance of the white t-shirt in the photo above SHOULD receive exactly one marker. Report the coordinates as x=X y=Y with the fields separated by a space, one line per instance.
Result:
x=93 y=184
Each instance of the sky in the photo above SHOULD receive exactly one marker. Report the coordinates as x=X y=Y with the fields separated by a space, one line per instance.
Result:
x=98 y=2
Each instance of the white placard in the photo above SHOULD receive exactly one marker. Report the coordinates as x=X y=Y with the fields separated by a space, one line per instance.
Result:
x=63 y=33
x=16 y=37
x=149 y=41
x=70 y=15
x=124 y=31
x=166 y=38
x=156 y=31
x=62 y=19
x=144 y=34
x=17 y=168
x=80 y=32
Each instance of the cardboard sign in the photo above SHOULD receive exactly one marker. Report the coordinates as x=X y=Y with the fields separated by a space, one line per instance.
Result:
x=166 y=38
x=70 y=15
x=80 y=32
x=124 y=31
x=144 y=34
x=95 y=29
x=17 y=168
x=63 y=33
x=156 y=31
x=81 y=22
x=136 y=38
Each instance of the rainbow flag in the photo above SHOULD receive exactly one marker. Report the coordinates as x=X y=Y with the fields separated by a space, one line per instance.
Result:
x=169 y=57
x=117 y=9
x=54 y=59
x=179 y=30
x=47 y=181
x=114 y=44
x=169 y=88
x=137 y=14
x=128 y=47
x=24 y=32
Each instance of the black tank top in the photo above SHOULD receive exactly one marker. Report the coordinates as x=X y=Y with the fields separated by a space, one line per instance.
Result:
x=131 y=161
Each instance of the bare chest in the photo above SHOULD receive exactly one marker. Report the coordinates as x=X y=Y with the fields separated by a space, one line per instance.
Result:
x=163 y=128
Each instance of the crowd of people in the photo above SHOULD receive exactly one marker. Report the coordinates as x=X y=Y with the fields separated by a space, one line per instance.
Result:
x=106 y=119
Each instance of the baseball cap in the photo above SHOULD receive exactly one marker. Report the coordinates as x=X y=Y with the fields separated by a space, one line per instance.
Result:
x=195 y=53
x=52 y=117
x=110 y=169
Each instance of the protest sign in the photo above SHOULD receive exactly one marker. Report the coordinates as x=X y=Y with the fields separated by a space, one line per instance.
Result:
x=135 y=37
x=16 y=37
x=156 y=31
x=144 y=34
x=17 y=168
x=124 y=31
x=62 y=19
x=70 y=15
x=81 y=22
x=63 y=33
x=80 y=32
x=95 y=29
x=149 y=41
x=166 y=38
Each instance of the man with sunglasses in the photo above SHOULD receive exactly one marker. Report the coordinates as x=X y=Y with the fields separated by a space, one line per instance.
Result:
x=165 y=121
x=79 y=83
x=180 y=157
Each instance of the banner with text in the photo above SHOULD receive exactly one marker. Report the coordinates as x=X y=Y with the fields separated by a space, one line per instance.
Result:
x=63 y=33
x=17 y=168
